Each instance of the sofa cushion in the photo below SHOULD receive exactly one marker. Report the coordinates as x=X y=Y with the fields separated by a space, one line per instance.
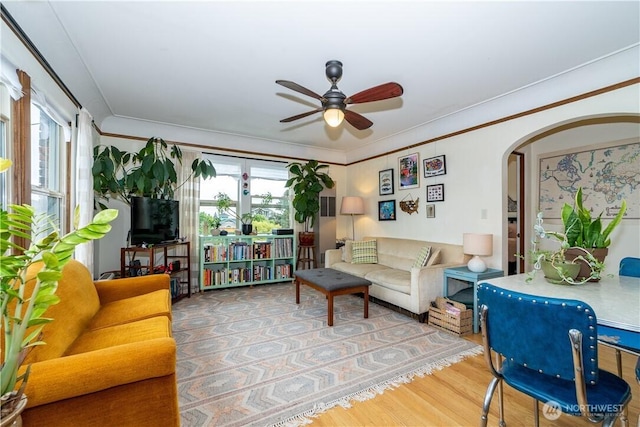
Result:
x=397 y=280
x=147 y=329
x=128 y=310
x=360 y=270
x=364 y=252
x=434 y=258
x=78 y=305
x=421 y=258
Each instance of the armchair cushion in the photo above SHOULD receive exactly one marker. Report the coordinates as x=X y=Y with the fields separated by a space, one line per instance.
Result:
x=153 y=304
x=127 y=333
x=94 y=371
x=119 y=289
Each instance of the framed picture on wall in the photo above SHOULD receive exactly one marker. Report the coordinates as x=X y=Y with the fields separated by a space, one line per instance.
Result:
x=408 y=171
x=435 y=193
x=434 y=166
x=387 y=210
x=431 y=211
x=385 y=182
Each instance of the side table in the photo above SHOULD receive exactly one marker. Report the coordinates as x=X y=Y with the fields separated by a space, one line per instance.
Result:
x=466 y=275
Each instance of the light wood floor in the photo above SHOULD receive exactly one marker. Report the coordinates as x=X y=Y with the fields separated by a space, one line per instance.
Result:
x=454 y=396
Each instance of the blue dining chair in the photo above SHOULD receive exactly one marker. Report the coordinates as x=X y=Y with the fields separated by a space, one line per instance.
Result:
x=629 y=266
x=547 y=348
x=618 y=339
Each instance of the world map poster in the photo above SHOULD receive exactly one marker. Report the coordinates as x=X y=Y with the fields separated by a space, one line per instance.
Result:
x=606 y=175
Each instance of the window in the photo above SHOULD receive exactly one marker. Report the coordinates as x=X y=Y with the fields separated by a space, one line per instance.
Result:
x=227 y=182
x=47 y=165
x=246 y=193
x=269 y=179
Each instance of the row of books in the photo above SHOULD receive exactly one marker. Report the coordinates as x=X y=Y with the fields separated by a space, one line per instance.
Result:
x=226 y=276
x=239 y=251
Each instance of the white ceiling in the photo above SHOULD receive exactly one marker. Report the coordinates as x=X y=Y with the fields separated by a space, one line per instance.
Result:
x=211 y=65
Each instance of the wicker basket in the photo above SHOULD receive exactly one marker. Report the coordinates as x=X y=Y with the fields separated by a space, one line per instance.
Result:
x=458 y=323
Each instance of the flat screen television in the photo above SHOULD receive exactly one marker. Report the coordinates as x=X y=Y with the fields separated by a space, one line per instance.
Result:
x=154 y=221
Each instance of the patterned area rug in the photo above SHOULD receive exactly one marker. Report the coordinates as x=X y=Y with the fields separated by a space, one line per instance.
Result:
x=251 y=356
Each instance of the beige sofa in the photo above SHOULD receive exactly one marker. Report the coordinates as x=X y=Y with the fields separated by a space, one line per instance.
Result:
x=394 y=279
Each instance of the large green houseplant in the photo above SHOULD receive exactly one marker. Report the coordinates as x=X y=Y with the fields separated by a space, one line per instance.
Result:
x=556 y=265
x=23 y=312
x=307 y=181
x=151 y=172
x=586 y=233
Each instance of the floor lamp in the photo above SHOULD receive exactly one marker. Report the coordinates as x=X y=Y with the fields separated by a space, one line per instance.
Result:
x=352 y=205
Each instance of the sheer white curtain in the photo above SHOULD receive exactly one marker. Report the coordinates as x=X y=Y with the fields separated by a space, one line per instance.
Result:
x=9 y=77
x=189 y=197
x=84 y=183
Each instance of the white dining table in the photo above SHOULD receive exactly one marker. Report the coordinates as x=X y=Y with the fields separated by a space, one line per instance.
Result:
x=614 y=299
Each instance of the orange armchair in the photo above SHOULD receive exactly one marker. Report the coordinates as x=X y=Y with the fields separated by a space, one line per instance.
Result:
x=109 y=357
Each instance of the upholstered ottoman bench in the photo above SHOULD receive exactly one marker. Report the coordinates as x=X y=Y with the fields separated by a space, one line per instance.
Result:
x=332 y=283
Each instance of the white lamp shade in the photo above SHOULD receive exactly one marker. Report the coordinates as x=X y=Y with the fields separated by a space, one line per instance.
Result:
x=352 y=205
x=333 y=116
x=477 y=245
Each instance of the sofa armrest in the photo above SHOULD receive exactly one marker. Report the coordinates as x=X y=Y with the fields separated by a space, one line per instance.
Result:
x=117 y=289
x=332 y=256
x=427 y=284
x=80 y=374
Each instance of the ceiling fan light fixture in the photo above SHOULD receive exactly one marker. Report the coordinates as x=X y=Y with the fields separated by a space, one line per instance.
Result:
x=333 y=116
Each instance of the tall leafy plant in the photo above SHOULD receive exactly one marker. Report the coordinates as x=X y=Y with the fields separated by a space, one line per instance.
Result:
x=584 y=231
x=557 y=258
x=151 y=172
x=23 y=313
x=307 y=182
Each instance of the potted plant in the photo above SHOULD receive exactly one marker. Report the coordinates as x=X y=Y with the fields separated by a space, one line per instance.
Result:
x=307 y=183
x=224 y=203
x=555 y=264
x=23 y=311
x=585 y=233
x=150 y=172
x=215 y=225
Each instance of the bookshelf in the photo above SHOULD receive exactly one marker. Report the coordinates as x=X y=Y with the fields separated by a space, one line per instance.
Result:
x=230 y=261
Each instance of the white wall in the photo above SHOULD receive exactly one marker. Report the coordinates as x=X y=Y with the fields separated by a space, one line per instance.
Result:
x=476 y=182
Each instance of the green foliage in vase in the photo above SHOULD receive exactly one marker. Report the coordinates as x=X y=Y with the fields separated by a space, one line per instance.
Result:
x=307 y=182
x=557 y=258
x=584 y=231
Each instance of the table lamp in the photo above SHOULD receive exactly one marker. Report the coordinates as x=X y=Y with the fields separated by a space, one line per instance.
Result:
x=477 y=245
x=352 y=205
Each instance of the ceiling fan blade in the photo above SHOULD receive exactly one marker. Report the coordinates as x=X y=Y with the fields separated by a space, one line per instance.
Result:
x=299 y=116
x=356 y=120
x=298 y=88
x=377 y=93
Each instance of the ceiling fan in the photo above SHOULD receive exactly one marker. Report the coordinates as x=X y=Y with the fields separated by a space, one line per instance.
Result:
x=334 y=102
